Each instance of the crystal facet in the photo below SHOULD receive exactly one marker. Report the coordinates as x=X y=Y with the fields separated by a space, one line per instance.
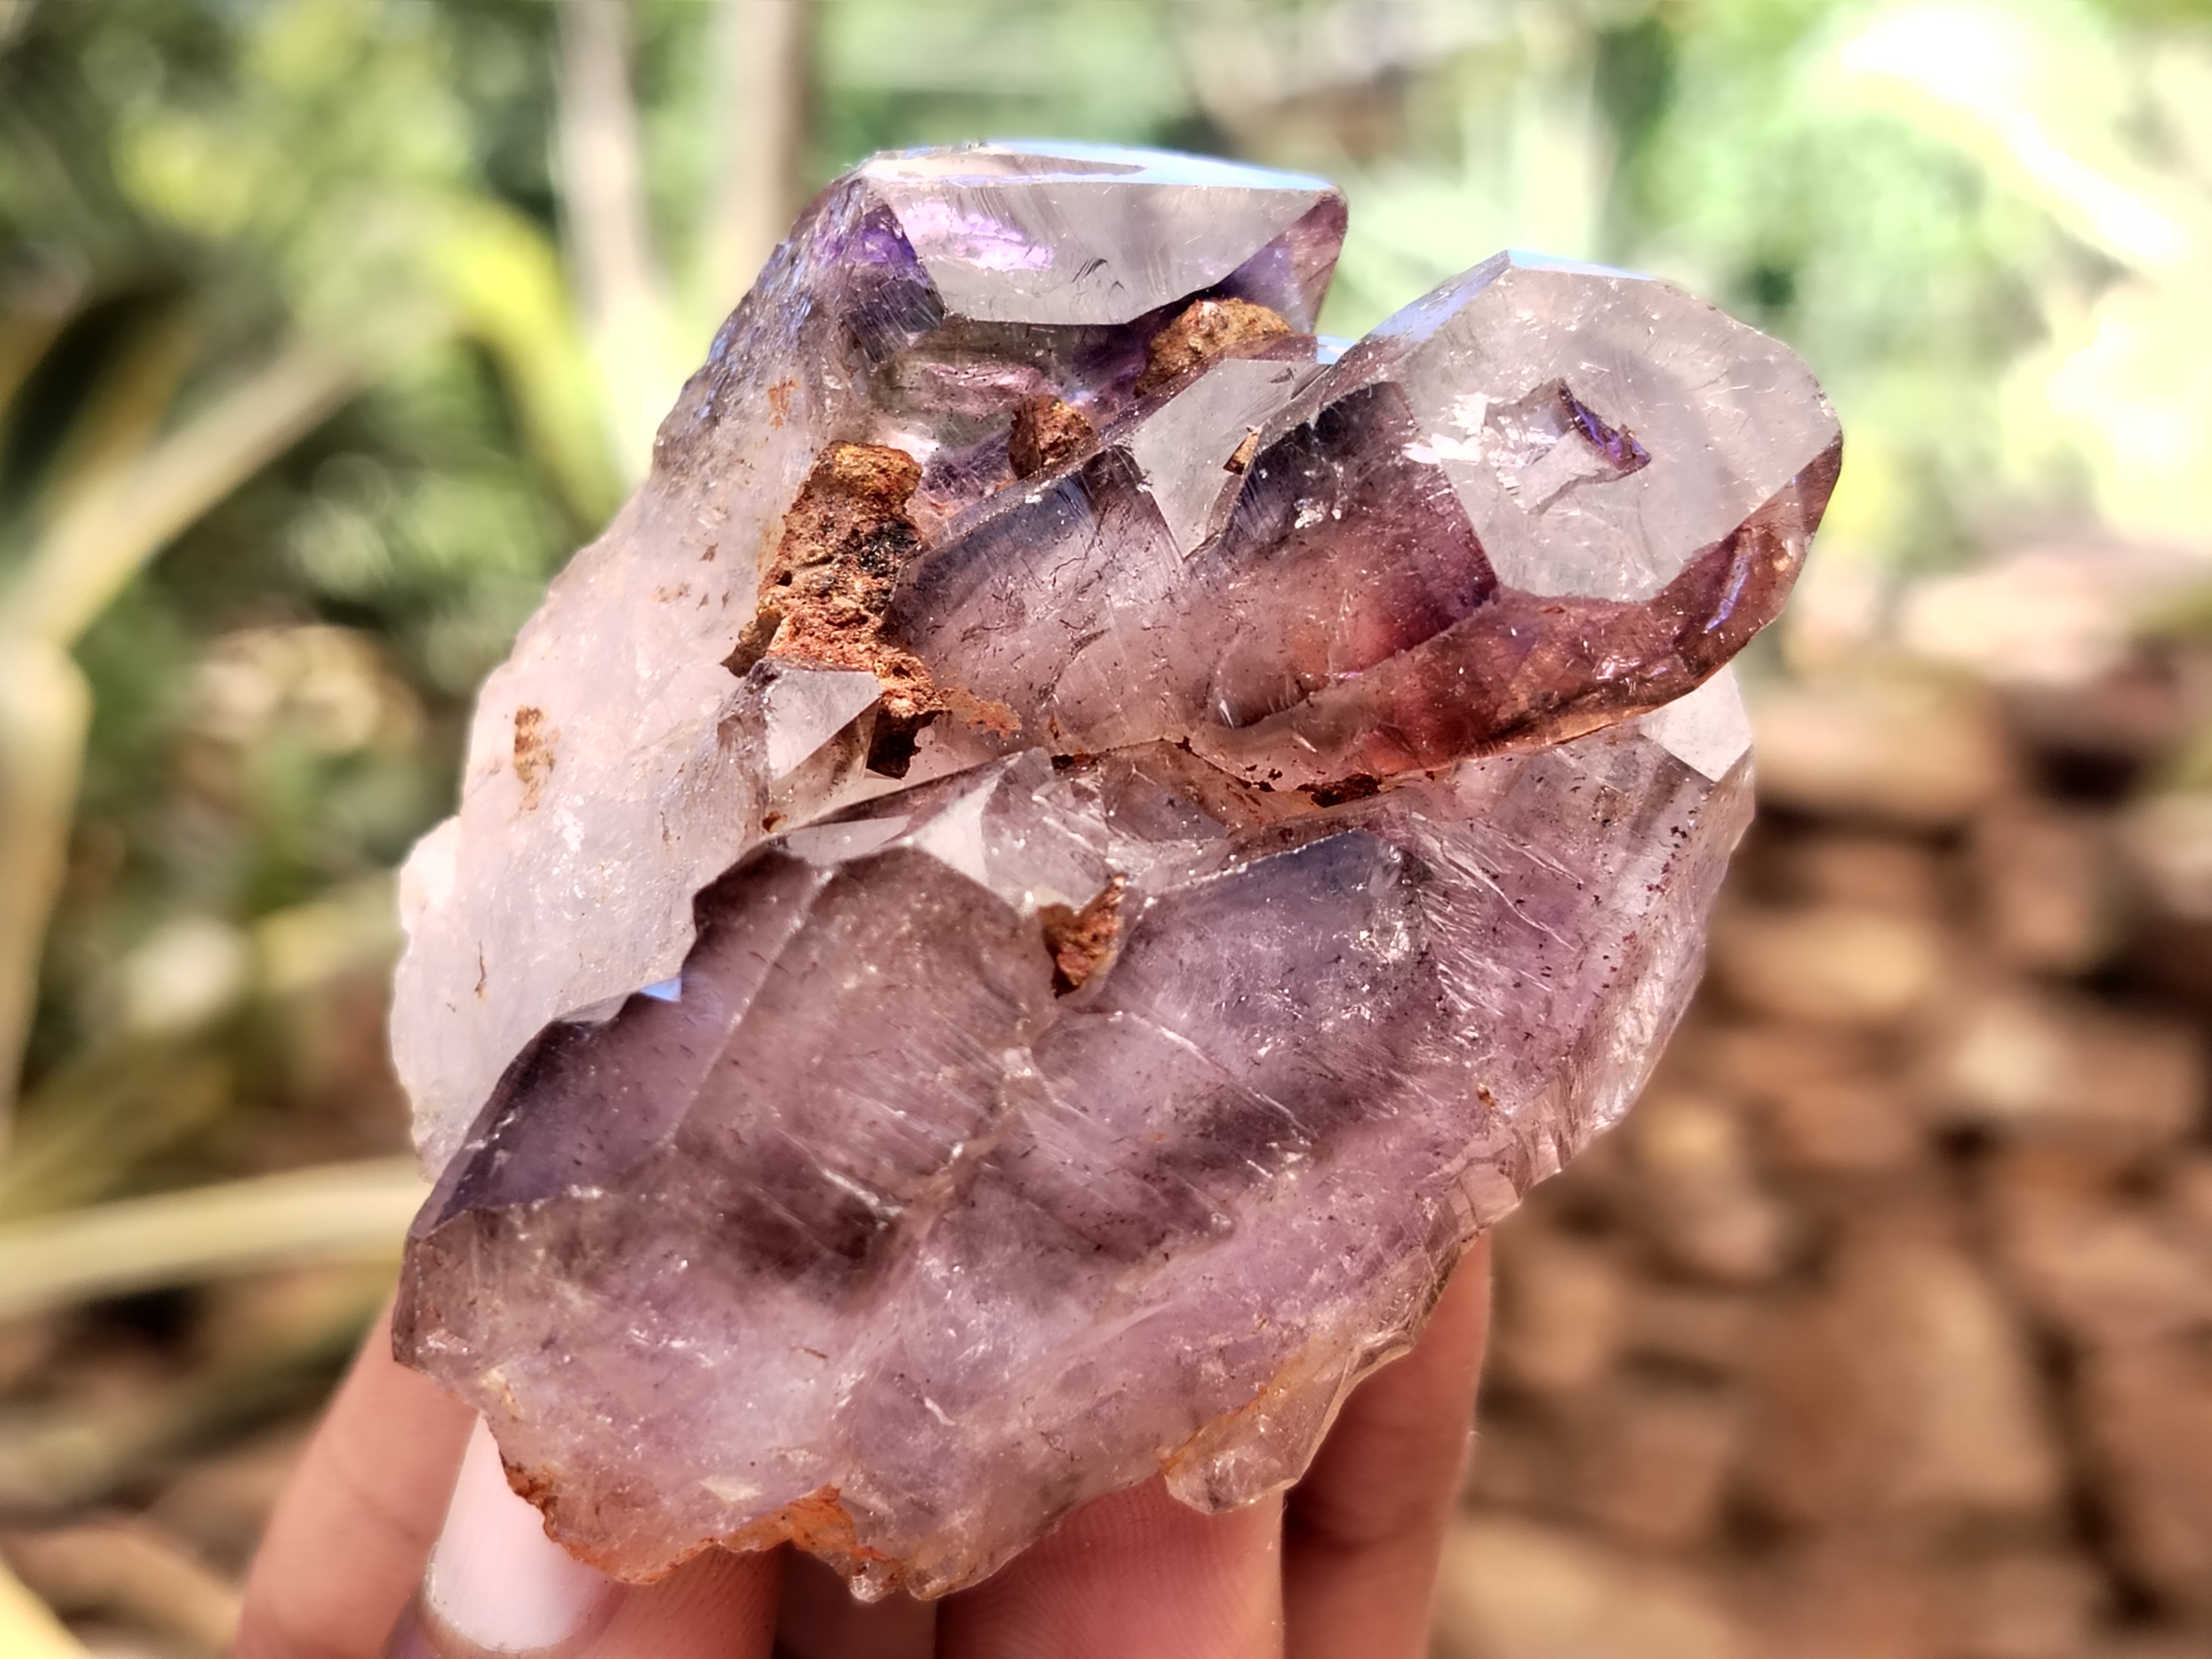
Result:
x=1013 y=916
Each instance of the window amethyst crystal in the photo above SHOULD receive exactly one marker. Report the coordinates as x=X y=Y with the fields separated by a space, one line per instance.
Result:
x=1013 y=915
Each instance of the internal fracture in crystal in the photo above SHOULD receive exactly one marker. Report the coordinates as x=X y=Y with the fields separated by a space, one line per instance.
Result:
x=1071 y=848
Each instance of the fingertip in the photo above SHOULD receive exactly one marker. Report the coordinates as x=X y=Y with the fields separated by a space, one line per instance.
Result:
x=818 y=1616
x=499 y=1588
x=346 y=1544
x=717 y=1606
x=1365 y=1527
x=1134 y=1571
x=495 y=1580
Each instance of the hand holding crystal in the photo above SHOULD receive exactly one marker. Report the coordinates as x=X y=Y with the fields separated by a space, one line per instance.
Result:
x=1342 y=1564
x=1013 y=919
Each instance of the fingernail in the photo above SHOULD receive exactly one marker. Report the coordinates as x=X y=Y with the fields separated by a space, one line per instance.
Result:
x=496 y=1579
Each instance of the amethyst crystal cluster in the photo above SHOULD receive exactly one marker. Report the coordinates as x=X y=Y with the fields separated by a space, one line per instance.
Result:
x=1068 y=850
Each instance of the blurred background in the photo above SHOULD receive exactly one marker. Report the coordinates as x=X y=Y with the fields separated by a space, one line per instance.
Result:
x=329 y=327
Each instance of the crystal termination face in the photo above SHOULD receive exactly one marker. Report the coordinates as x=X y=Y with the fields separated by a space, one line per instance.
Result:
x=1070 y=848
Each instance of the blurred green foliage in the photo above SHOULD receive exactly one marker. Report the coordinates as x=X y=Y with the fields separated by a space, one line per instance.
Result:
x=1988 y=223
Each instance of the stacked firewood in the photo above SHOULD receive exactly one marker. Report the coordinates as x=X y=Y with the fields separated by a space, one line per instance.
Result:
x=1883 y=1327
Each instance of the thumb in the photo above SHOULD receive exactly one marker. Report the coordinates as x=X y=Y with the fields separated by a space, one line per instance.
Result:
x=497 y=1585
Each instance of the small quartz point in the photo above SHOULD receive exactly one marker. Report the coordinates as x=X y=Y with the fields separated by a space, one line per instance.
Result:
x=1071 y=848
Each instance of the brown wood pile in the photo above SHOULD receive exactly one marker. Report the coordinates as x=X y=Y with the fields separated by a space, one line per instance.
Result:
x=1883 y=1327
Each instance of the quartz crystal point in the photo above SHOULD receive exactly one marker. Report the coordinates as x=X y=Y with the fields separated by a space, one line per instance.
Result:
x=1069 y=849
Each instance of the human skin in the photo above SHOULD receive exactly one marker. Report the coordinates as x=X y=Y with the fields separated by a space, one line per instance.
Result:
x=1344 y=1564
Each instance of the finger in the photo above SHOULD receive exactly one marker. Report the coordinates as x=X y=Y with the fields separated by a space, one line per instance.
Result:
x=347 y=1543
x=817 y=1618
x=1135 y=1572
x=498 y=1586
x=1363 y=1531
